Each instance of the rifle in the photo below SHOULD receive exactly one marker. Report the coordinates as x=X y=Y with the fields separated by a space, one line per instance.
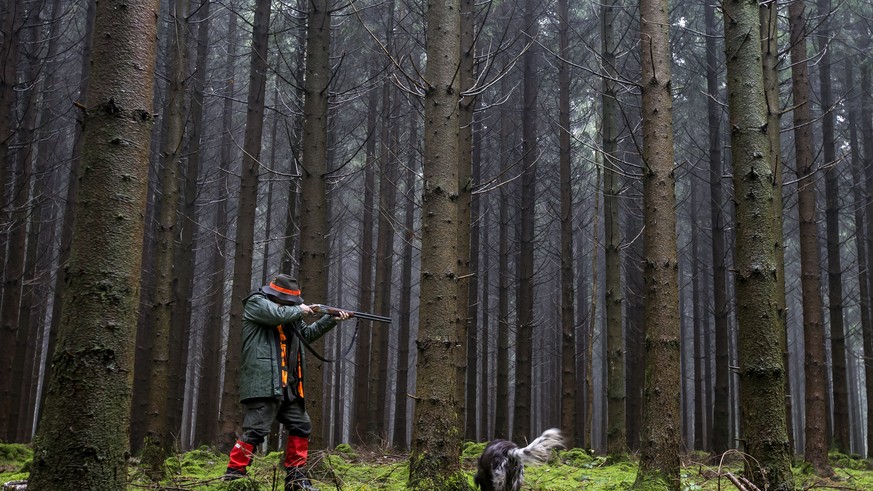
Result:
x=334 y=311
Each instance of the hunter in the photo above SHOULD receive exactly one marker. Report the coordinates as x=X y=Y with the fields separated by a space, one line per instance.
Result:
x=271 y=376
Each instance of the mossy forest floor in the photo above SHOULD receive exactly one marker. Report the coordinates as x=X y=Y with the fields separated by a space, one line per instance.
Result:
x=345 y=468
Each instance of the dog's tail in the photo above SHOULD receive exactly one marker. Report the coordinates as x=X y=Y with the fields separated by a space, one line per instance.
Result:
x=540 y=449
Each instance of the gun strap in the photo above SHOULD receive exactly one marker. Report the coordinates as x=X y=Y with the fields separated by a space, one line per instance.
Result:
x=320 y=357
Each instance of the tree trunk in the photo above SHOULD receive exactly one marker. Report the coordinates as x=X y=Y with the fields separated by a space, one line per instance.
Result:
x=761 y=371
x=661 y=441
x=94 y=359
x=466 y=285
x=835 y=286
x=768 y=15
x=816 y=448
x=521 y=423
x=721 y=395
x=860 y=197
x=185 y=254
x=501 y=411
x=698 y=309
x=12 y=23
x=401 y=439
x=248 y=195
x=69 y=205
x=314 y=212
x=616 y=432
x=158 y=437
x=210 y=369
x=13 y=280
x=569 y=389
x=379 y=354
x=434 y=463
x=364 y=419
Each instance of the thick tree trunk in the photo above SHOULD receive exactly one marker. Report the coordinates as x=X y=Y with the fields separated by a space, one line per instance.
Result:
x=94 y=360
x=434 y=463
x=616 y=432
x=248 y=194
x=761 y=370
x=661 y=441
x=815 y=369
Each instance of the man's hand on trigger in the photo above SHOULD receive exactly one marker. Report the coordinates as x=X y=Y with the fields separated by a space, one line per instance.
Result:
x=305 y=308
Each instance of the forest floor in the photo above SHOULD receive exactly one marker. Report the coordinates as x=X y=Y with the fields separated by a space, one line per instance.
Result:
x=348 y=469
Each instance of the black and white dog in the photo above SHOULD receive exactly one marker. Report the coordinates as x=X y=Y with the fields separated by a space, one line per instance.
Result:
x=501 y=465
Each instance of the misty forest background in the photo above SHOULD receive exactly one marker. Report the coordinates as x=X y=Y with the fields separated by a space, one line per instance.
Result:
x=551 y=249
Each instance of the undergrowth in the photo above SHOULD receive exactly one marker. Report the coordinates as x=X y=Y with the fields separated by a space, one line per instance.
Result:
x=357 y=469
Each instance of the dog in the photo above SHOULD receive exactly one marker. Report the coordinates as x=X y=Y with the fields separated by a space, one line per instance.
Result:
x=501 y=465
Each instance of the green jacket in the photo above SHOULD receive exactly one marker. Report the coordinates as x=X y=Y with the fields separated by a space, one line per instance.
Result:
x=266 y=328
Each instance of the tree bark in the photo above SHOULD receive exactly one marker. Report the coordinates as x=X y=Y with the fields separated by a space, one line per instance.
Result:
x=467 y=289
x=832 y=220
x=69 y=204
x=661 y=440
x=768 y=16
x=94 y=359
x=314 y=212
x=761 y=370
x=616 y=430
x=434 y=463
x=816 y=448
x=158 y=437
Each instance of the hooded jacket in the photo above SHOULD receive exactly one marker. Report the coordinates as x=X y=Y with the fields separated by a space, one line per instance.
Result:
x=272 y=356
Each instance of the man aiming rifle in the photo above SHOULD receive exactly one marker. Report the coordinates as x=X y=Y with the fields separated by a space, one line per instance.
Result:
x=271 y=374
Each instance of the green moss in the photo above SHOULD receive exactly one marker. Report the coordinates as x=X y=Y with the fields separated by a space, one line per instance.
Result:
x=350 y=469
x=15 y=461
x=472 y=450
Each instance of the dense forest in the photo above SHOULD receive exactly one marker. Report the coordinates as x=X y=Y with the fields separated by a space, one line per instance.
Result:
x=644 y=223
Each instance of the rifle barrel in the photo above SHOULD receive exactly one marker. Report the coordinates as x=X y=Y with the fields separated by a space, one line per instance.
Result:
x=372 y=317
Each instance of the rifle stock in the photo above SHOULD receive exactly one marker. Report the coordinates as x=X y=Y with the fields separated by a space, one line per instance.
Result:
x=334 y=311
